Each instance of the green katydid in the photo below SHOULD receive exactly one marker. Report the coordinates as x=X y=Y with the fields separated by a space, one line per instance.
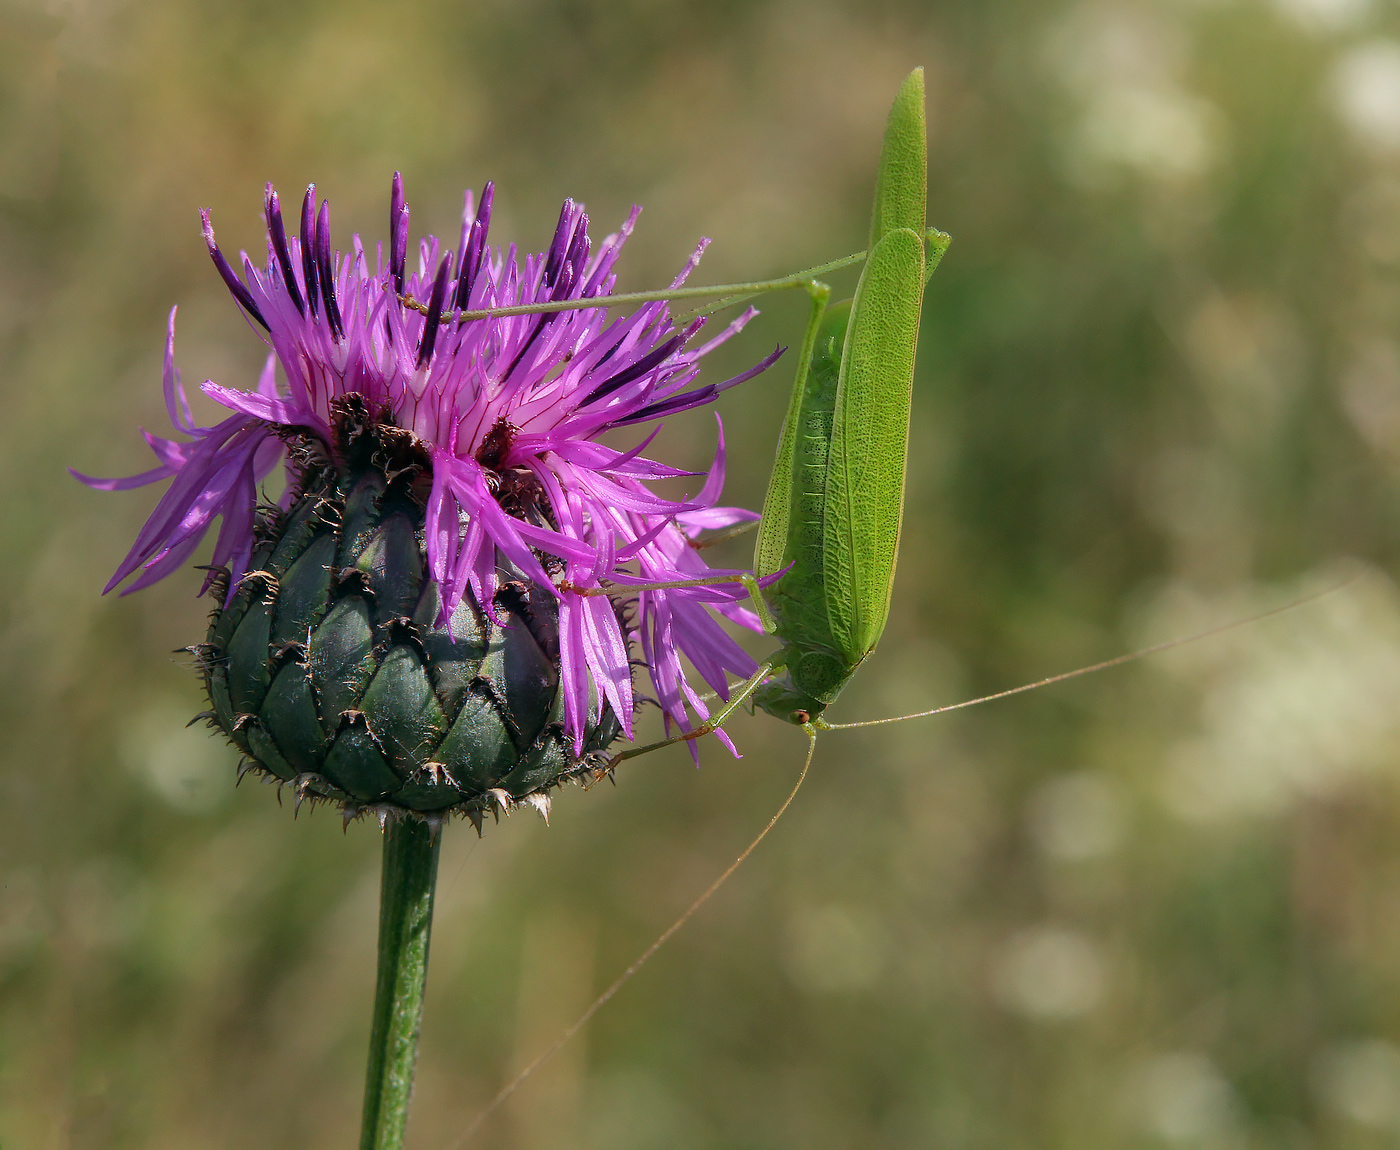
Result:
x=836 y=497
x=832 y=513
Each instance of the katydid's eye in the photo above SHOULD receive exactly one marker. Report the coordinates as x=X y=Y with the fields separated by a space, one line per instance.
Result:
x=801 y=718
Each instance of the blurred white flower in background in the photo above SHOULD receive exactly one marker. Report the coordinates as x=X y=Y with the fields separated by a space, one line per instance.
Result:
x=1366 y=92
x=1122 y=68
x=1289 y=707
x=1361 y=1081
x=1325 y=15
x=1182 y=1098
x=1076 y=816
x=1050 y=974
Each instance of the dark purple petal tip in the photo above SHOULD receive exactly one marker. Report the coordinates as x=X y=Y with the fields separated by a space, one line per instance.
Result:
x=277 y=233
x=325 y=270
x=308 y=249
x=230 y=277
x=430 y=328
x=398 y=233
x=476 y=247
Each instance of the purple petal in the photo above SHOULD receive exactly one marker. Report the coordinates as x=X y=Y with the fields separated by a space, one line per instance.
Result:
x=258 y=406
x=177 y=406
x=398 y=233
x=124 y=484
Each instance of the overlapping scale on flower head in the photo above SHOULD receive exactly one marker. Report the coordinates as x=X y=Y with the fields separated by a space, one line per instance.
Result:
x=510 y=411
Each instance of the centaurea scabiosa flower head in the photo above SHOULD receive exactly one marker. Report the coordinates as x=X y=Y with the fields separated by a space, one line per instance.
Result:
x=411 y=625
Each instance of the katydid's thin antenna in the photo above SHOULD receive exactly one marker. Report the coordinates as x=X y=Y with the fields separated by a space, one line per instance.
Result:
x=1118 y=660
x=622 y=979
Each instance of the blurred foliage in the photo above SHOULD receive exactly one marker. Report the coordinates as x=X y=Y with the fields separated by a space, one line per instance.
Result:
x=1159 y=390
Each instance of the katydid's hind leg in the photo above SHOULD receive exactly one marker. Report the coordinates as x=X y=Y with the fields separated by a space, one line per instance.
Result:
x=729 y=295
x=736 y=700
x=760 y=605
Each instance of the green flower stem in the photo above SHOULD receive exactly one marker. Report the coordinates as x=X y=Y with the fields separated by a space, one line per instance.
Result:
x=405 y=922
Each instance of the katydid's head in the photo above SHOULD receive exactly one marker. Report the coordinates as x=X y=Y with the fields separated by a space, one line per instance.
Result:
x=435 y=614
x=781 y=699
x=811 y=681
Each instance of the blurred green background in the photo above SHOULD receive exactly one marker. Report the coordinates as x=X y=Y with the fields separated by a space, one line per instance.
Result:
x=1159 y=389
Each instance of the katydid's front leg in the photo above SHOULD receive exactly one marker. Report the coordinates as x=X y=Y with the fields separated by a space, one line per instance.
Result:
x=736 y=700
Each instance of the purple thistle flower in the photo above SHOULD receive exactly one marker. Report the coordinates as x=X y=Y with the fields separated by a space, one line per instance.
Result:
x=493 y=403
